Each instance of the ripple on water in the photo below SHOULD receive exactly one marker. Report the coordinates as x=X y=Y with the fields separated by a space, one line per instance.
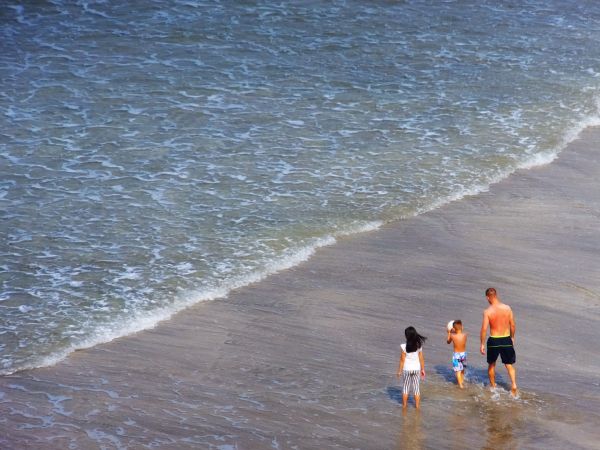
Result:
x=152 y=158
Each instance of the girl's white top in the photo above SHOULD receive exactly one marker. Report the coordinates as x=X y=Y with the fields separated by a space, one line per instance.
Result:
x=412 y=359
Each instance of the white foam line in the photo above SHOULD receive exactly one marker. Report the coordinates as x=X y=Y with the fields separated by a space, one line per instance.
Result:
x=537 y=160
x=291 y=258
x=148 y=320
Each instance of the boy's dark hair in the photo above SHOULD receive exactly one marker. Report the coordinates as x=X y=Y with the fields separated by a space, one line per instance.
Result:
x=414 y=340
x=458 y=322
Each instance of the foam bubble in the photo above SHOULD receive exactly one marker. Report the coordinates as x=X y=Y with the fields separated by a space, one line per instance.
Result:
x=140 y=321
x=189 y=169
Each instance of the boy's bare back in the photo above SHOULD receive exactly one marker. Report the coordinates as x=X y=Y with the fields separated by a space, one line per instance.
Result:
x=459 y=339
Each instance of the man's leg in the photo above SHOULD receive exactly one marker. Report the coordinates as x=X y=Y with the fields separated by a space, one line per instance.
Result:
x=492 y=374
x=512 y=373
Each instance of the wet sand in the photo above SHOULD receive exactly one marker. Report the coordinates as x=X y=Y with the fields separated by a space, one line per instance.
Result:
x=305 y=358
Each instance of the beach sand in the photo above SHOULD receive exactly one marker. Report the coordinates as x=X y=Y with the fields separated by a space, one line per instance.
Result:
x=307 y=357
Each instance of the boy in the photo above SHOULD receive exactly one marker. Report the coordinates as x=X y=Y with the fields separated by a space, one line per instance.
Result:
x=459 y=357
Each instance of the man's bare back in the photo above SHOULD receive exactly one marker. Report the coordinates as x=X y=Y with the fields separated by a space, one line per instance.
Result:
x=500 y=320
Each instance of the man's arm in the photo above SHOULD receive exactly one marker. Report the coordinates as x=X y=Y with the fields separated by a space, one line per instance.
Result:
x=484 y=326
x=513 y=326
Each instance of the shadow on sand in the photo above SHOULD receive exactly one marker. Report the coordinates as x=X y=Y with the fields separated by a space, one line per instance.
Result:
x=395 y=393
x=474 y=375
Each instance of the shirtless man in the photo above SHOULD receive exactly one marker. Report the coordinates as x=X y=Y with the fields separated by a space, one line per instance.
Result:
x=499 y=317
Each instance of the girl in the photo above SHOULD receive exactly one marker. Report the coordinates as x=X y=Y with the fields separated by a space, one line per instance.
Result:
x=412 y=363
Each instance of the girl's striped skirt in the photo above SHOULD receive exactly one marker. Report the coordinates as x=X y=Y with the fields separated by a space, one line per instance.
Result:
x=410 y=383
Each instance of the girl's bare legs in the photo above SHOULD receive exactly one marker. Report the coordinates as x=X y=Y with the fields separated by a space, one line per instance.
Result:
x=404 y=400
x=417 y=401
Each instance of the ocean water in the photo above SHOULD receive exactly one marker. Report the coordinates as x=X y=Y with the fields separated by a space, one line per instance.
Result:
x=155 y=154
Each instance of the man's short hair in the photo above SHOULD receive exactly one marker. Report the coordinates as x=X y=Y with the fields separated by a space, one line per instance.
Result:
x=490 y=291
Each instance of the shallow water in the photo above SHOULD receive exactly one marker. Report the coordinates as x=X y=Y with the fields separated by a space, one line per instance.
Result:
x=480 y=417
x=306 y=358
x=156 y=154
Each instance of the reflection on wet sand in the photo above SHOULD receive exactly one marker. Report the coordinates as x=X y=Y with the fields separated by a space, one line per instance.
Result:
x=411 y=435
x=459 y=426
x=500 y=424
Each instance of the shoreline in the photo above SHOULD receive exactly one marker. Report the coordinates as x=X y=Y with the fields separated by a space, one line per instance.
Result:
x=313 y=347
x=293 y=257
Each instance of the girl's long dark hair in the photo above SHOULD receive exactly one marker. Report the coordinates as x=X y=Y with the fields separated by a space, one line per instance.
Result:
x=414 y=341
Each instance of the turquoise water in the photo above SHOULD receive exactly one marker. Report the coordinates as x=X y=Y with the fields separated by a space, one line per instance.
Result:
x=155 y=154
